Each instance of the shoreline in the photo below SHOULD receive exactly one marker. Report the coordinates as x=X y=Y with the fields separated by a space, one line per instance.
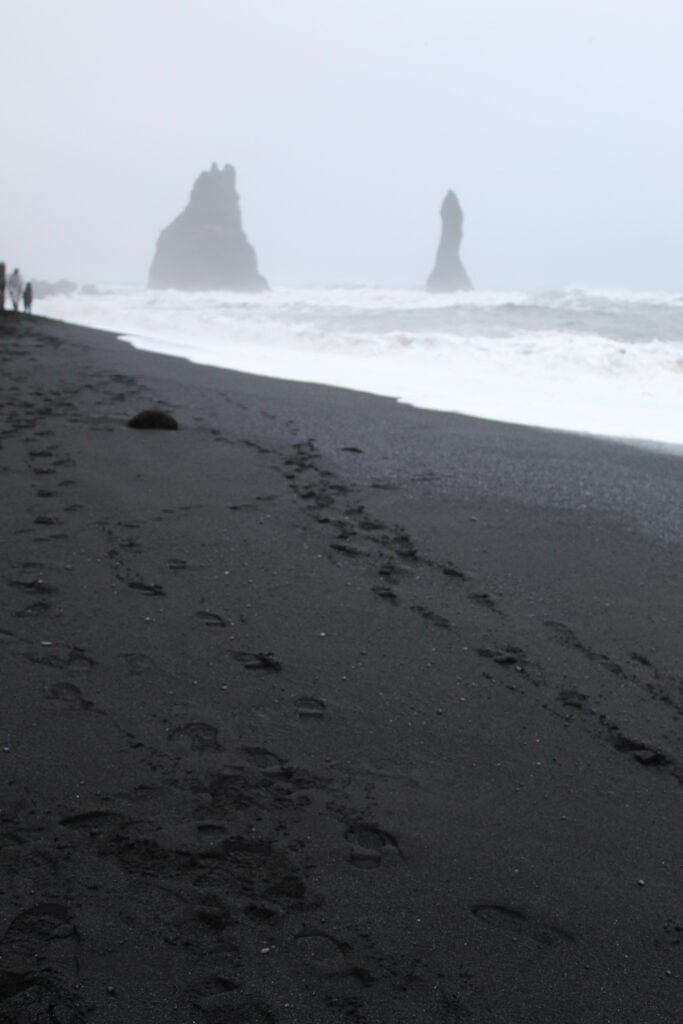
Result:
x=553 y=365
x=326 y=707
x=658 y=446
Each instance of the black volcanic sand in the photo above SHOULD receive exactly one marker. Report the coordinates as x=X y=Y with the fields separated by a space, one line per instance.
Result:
x=324 y=708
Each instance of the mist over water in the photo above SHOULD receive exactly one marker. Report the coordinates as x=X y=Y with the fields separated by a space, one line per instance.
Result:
x=556 y=124
x=606 y=363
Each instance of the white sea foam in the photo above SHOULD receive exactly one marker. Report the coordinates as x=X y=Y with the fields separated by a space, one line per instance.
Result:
x=608 y=363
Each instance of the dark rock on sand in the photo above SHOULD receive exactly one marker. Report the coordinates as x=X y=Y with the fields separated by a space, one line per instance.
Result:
x=448 y=274
x=153 y=419
x=205 y=247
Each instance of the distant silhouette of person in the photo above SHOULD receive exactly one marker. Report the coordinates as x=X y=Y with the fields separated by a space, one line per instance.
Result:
x=16 y=287
x=3 y=284
x=28 y=297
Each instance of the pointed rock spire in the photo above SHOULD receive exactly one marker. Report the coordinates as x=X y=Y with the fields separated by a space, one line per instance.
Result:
x=448 y=274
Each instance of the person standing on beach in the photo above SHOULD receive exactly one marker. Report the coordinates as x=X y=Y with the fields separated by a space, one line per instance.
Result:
x=16 y=288
x=28 y=297
x=2 y=287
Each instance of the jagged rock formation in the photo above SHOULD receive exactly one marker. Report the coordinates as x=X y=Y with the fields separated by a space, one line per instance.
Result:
x=45 y=289
x=205 y=246
x=448 y=274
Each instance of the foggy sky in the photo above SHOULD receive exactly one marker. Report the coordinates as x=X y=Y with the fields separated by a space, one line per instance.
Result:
x=558 y=124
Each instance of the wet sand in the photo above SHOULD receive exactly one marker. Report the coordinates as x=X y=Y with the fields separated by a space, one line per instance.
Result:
x=324 y=708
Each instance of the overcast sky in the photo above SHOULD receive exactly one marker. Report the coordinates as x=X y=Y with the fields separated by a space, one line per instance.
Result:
x=557 y=123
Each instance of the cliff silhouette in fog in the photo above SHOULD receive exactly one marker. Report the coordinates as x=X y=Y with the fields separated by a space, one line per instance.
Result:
x=448 y=274
x=205 y=247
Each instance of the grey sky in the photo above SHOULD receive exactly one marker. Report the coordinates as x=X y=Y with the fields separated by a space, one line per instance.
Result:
x=557 y=122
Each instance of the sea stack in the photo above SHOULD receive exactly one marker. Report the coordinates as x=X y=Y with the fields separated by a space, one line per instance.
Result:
x=205 y=247
x=448 y=274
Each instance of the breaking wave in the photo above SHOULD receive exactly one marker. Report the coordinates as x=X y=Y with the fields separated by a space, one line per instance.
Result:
x=600 y=362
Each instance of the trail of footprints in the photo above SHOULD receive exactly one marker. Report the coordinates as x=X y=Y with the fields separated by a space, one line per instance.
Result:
x=641 y=752
x=359 y=535
x=231 y=896
x=228 y=879
x=237 y=890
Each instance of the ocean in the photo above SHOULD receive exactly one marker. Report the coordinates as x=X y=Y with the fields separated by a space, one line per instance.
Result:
x=602 y=362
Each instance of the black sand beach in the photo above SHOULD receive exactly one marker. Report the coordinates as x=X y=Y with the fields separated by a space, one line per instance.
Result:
x=324 y=708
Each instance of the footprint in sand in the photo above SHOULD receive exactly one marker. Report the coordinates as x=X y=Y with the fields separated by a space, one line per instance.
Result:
x=310 y=707
x=211 y=618
x=196 y=736
x=323 y=952
x=368 y=845
x=43 y=921
x=485 y=600
x=151 y=589
x=450 y=570
x=138 y=663
x=510 y=655
x=264 y=759
x=95 y=822
x=641 y=752
x=70 y=694
x=264 y=662
x=32 y=584
x=348 y=549
x=36 y=608
x=518 y=922
x=572 y=699
x=430 y=616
